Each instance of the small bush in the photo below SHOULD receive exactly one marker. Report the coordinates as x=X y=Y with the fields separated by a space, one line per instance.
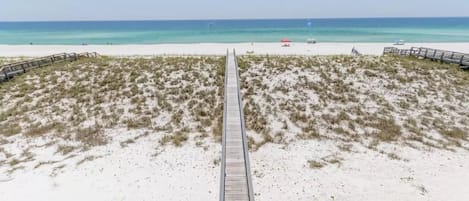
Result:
x=455 y=133
x=388 y=130
x=10 y=130
x=177 y=139
x=142 y=122
x=65 y=149
x=93 y=136
x=315 y=164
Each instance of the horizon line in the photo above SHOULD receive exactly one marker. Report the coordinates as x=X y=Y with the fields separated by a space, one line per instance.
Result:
x=231 y=19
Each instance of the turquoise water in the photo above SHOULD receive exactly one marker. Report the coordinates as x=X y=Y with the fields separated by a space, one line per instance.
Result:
x=232 y=31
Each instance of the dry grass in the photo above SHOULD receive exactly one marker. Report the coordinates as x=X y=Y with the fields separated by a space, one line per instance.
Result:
x=328 y=160
x=366 y=100
x=85 y=103
x=11 y=129
x=92 y=136
x=65 y=149
x=177 y=139
x=388 y=130
x=315 y=164
x=112 y=92
x=87 y=159
x=455 y=133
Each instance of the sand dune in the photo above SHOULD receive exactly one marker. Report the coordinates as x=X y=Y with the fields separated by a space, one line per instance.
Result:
x=320 y=128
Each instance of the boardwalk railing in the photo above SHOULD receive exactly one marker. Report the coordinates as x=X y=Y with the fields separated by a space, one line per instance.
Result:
x=244 y=134
x=396 y=51
x=433 y=54
x=223 y=155
x=7 y=71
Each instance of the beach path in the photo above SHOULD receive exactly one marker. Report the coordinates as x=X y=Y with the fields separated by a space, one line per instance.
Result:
x=236 y=177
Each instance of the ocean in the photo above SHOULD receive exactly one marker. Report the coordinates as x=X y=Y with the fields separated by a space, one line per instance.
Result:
x=236 y=31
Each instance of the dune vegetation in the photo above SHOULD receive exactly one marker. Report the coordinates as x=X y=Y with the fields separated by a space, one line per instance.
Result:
x=74 y=107
x=369 y=101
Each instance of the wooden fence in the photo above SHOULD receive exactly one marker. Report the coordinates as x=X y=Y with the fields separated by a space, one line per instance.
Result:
x=8 y=71
x=432 y=54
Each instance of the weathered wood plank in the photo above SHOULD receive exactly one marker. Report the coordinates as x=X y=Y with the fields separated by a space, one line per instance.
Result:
x=235 y=181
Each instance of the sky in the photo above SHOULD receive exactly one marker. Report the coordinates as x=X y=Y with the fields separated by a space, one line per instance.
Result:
x=66 y=10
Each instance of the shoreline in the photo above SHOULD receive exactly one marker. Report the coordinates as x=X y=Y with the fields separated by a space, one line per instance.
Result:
x=219 y=49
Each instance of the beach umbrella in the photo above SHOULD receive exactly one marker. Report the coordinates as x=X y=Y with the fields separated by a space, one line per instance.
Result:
x=285 y=42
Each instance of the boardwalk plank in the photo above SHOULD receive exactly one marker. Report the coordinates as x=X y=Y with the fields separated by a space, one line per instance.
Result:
x=235 y=171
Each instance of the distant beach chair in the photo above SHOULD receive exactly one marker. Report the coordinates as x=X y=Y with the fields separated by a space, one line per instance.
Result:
x=311 y=41
x=399 y=42
x=355 y=52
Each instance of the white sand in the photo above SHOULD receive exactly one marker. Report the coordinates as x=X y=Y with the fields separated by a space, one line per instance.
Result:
x=141 y=171
x=219 y=49
x=363 y=175
x=279 y=173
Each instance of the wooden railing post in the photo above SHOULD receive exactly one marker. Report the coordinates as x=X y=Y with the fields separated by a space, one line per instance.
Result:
x=6 y=75
x=434 y=54
x=24 y=69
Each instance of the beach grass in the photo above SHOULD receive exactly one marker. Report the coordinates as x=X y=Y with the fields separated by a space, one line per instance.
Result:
x=89 y=103
x=366 y=101
x=372 y=101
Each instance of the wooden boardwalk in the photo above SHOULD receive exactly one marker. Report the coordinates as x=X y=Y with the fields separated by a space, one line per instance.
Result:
x=8 y=71
x=236 y=184
x=433 y=54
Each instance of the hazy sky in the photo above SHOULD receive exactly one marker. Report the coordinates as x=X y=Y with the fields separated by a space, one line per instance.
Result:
x=40 y=10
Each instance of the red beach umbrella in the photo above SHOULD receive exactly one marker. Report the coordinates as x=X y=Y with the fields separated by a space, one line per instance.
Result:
x=285 y=40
